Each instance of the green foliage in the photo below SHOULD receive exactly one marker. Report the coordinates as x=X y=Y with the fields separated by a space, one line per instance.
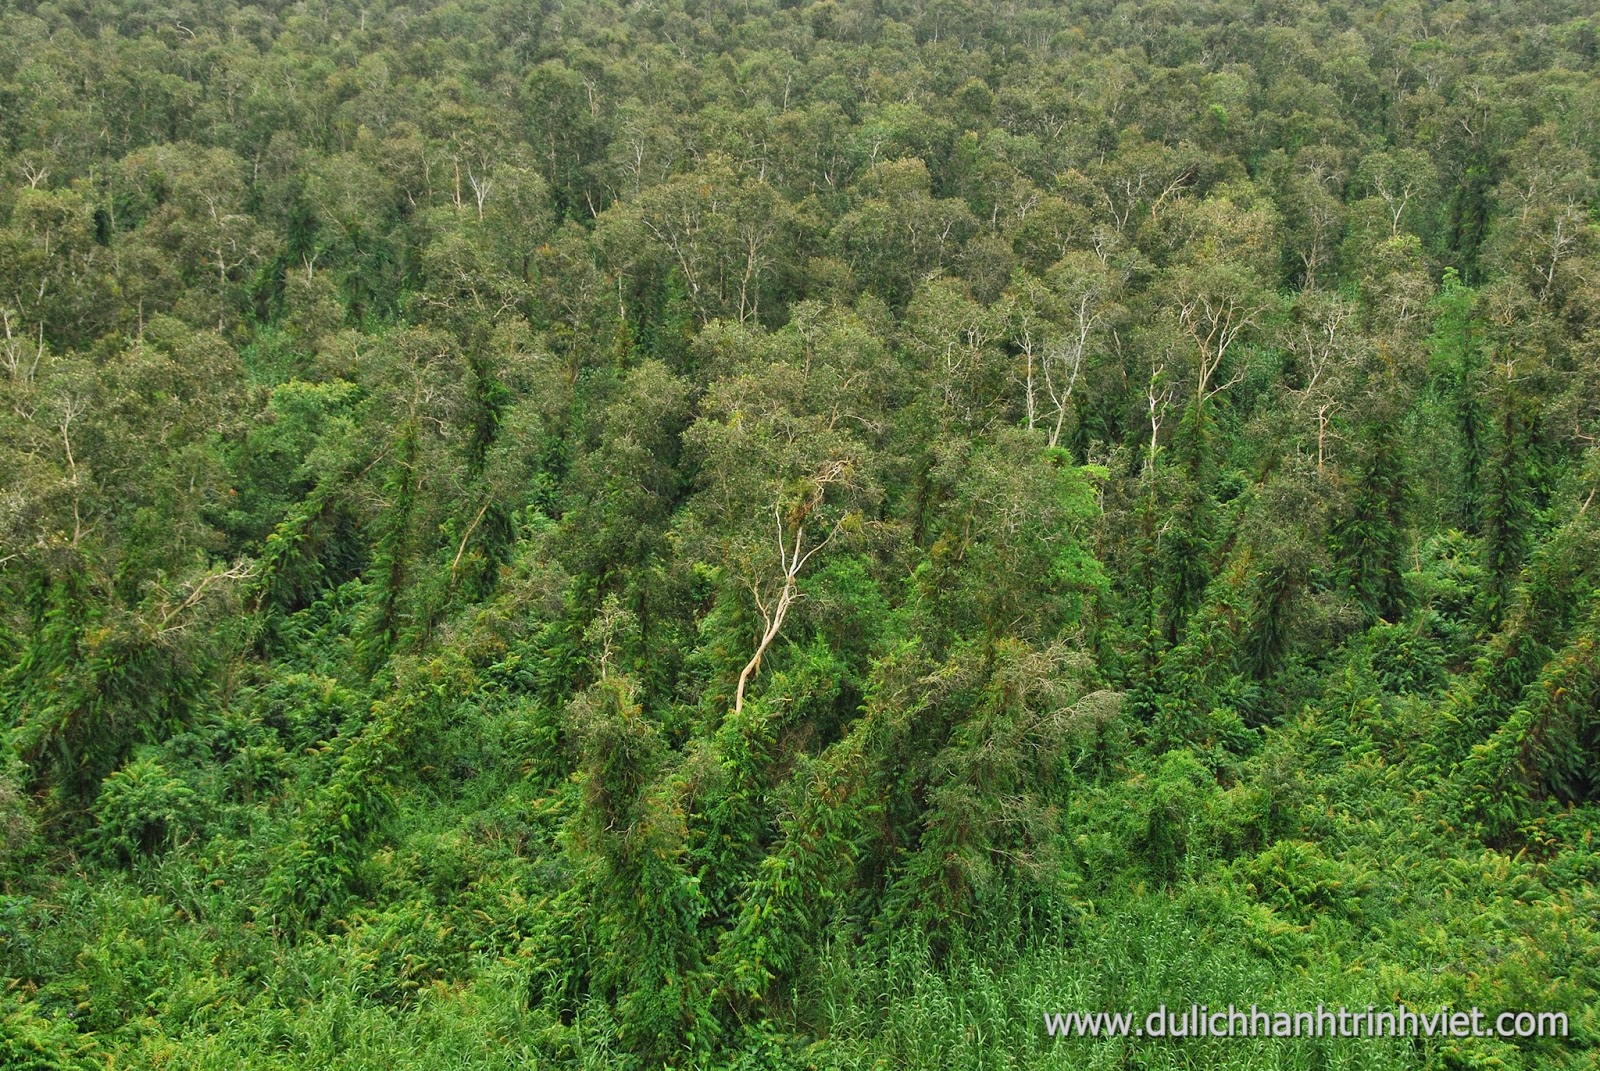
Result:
x=793 y=535
x=1406 y=657
x=1169 y=823
x=799 y=886
x=1456 y=363
x=1546 y=749
x=1509 y=499
x=629 y=836
x=31 y=1043
x=991 y=833
x=142 y=809
x=17 y=825
x=1368 y=542
x=1296 y=880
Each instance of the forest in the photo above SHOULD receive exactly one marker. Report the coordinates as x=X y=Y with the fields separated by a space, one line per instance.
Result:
x=795 y=534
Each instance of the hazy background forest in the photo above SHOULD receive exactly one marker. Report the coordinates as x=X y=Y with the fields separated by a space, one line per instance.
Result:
x=794 y=535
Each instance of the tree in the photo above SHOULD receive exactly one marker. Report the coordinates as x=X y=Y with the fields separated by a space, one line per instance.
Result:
x=781 y=477
x=1013 y=516
x=1369 y=540
x=1510 y=481
x=1545 y=235
x=54 y=277
x=196 y=214
x=628 y=837
x=1322 y=339
x=1058 y=326
x=1215 y=295
x=724 y=236
x=900 y=234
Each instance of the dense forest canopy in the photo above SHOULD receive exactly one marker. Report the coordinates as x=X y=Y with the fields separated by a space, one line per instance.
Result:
x=794 y=535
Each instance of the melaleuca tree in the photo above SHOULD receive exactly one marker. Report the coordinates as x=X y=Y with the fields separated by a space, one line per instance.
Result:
x=479 y=257
x=629 y=837
x=1043 y=228
x=583 y=308
x=1369 y=541
x=1268 y=642
x=506 y=364
x=782 y=485
x=1510 y=480
x=465 y=286
x=353 y=201
x=1284 y=524
x=617 y=507
x=624 y=486
x=1544 y=237
x=416 y=385
x=1134 y=186
x=1551 y=612
x=1394 y=193
x=315 y=872
x=318 y=543
x=1059 y=327
x=1395 y=291
x=117 y=481
x=957 y=366
x=1256 y=612
x=732 y=820
x=570 y=140
x=1214 y=300
x=1216 y=295
x=516 y=210
x=900 y=232
x=746 y=772
x=591 y=226
x=782 y=475
x=728 y=238
x=54 y=277
x=1009 y=557
x=391 y=550
x=1132 y=535
x=1309 y=192
x=282 y=458
x=535 y=394
x=980 y=791
x=1187 y=547
x=1324 y=354
x=190 y=205
x=1455 y=345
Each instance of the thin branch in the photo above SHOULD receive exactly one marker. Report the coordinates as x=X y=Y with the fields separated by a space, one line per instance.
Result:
x=237 y=572
x=462 y=549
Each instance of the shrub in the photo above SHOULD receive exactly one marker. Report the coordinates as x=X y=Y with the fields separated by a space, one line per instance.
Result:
x=1297 y=880
x=1175 y=804
x=31 y=1043
x=142 y=809
x=16 y=825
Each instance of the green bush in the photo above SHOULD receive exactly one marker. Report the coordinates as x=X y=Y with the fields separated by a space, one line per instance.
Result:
x=31 y=1043
x=1407 y=657
x=1174 y=807
x=17 y=826
x=142 y=809
x=1297 y=880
